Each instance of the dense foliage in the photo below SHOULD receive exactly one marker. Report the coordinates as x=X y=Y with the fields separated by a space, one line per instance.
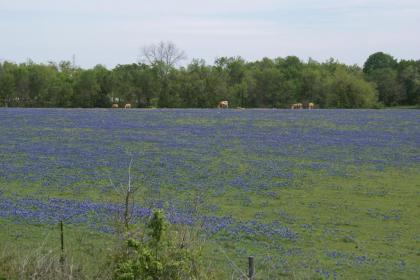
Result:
x=157 y=256
x=268 y=83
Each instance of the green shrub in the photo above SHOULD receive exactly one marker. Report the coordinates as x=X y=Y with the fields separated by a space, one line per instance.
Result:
x=155 y=255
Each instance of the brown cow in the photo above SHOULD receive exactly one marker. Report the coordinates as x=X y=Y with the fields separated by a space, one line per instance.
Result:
x=115 y=105
x=223 y=104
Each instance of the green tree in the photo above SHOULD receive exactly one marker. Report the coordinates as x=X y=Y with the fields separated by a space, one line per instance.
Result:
x=377 y=61
x=409 y=76
x=391 y=91
x=193 y=85
x=349 y=91
x=39 y=81
x=85 y=89
x=7 y=84
x=105 y=86
x=314 y=83
x=381 y=69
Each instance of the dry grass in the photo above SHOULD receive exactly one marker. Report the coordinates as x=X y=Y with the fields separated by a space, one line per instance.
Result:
x=38 y=264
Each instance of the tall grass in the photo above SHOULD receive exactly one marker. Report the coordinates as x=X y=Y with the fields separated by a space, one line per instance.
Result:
x=41 y=263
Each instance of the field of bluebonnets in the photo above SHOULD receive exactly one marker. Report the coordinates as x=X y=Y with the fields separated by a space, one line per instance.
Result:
x=333 y=194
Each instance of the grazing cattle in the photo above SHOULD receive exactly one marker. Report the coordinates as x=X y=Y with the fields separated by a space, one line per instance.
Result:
x=114 y=105
x=311 y=105
x=127 y=106
x=223 y=104
x=297 y=106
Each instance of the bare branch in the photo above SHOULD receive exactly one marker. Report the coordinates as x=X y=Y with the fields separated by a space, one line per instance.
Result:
x=165 y=53
x=129 y=175
x=128 y=197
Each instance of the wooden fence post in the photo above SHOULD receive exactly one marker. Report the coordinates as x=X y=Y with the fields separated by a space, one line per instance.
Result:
x=62 y=242
x=251 y=268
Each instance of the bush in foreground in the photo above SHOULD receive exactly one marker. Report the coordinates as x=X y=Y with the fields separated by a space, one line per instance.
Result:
x=157 y=253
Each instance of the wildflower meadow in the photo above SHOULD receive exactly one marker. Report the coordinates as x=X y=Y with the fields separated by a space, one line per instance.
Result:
x=322 y=194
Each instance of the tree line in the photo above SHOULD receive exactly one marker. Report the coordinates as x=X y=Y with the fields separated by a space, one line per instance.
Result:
x=266 y=83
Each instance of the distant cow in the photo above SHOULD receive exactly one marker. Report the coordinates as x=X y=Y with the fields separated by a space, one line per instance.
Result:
x=223 y=104
x=297 y=106
x=115 y=105
x=127 y=106
x=311 y=105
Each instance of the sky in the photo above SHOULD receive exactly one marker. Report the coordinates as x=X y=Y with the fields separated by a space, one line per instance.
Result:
x=112 y=32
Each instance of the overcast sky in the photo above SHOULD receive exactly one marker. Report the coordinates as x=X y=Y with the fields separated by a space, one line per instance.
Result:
x=111 y=32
